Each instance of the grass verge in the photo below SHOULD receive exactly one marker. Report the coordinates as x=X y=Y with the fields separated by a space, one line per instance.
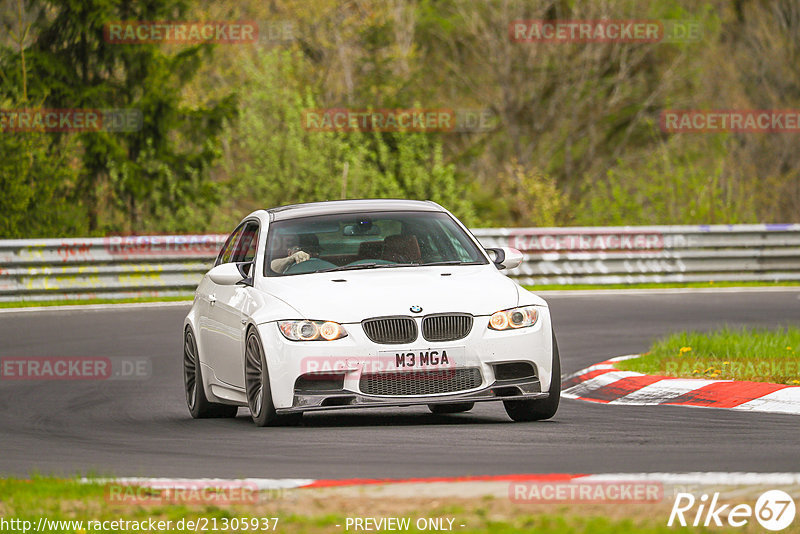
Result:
x=710 y=284
x=316 y=511
x=753 y=354
x=35 y=303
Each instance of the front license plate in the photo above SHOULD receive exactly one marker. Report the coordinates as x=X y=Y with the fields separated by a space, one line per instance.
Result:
x=440 y=358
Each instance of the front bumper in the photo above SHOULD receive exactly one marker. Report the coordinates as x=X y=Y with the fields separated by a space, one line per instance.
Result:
x=482 y=349
x=526 y=389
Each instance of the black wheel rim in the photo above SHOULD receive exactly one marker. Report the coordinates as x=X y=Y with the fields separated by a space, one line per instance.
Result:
x=253 y=375
x=190 y=369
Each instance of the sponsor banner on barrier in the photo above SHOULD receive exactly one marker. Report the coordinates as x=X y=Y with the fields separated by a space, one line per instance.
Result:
x=70 y=249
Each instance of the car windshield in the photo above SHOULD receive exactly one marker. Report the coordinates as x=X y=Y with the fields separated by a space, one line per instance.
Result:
x=367 y=241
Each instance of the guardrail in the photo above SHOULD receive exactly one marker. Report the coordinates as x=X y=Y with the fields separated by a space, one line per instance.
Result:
x=108 y=267
x=644 y=254
x=146 y=266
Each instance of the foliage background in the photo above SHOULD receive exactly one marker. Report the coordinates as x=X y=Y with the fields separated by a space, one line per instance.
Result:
x=577 y=140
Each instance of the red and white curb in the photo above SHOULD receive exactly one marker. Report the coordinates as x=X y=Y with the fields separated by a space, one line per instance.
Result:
x=604 y=383
x=265 y=484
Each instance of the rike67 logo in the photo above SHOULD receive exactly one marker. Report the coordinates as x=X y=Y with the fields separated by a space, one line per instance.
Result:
x=774 y=510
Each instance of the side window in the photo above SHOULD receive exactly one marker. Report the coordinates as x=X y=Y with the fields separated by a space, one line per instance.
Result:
x=227 y=250
x=245 y=249
x=250 y=255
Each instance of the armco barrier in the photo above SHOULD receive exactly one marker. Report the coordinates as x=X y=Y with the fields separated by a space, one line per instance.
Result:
x=45 y=269
x=642 y=254
x=108 y=267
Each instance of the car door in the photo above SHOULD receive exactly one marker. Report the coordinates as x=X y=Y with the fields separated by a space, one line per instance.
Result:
x=207 y=295
x=226 y=320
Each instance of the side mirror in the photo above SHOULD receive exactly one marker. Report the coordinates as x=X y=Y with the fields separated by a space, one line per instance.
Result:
x=505 y=257
x=227 y=274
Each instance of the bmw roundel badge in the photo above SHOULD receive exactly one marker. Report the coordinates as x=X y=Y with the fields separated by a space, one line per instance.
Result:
x=416 y=309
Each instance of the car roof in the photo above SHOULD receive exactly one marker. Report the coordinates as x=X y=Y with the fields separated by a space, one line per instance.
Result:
x=348 y=206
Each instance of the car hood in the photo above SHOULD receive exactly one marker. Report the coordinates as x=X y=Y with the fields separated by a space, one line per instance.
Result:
x=351 y=296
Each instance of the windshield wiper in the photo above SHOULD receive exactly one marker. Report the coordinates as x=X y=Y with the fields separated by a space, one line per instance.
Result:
x=370 y=265
x=450 y=262
x=350 y=267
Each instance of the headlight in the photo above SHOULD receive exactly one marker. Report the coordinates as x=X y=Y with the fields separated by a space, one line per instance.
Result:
x=311 y=330
x=514 y=318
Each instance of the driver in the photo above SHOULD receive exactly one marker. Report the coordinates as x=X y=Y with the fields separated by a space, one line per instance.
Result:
x=295 y=253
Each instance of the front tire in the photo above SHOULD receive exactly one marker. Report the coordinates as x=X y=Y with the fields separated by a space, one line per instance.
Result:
x=459 y=407
x=259 y=395
x=539 y=409
x=196 y=400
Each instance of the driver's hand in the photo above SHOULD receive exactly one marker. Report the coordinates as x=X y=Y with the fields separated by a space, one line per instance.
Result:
x=300 y=256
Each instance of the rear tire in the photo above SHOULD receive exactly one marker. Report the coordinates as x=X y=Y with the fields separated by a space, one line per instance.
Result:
x=196 y=400
x=441 y=409
x=539 y=409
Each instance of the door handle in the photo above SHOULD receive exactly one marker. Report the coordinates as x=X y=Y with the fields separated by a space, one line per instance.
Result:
x=212 y=299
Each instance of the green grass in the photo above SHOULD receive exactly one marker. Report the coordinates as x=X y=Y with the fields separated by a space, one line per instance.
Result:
x=758 y=355
x=33 y=303
x=65 y=500
x=710 y=284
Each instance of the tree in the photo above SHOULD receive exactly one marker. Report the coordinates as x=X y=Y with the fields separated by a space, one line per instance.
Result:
x=126 y=180
x=277 y=160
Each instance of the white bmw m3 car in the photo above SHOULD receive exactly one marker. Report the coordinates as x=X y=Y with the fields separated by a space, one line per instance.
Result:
x=365 y=303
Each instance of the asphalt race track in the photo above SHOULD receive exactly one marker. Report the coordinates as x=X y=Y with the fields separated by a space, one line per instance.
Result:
x=142 y=427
